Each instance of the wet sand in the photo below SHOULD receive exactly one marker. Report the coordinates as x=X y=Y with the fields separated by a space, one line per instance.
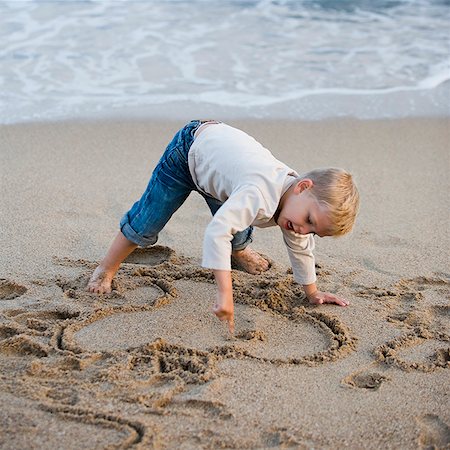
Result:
x=149 y=366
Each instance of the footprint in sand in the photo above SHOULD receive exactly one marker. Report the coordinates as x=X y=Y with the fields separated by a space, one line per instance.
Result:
x=188 y=321
x=434 y=433
x=440 y=315
x=8 y=330
x=202 y=408
x=23 y=345
x=42 y=321
x=365 y=379
x=152 y=256
x=283 y=437
x=10 y=290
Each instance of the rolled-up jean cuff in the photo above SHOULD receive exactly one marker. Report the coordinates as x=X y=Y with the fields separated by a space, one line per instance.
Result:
x=132 y=236
x=242 y=245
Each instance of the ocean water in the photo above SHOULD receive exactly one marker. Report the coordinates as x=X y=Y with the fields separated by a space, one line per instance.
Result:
x=223 y=58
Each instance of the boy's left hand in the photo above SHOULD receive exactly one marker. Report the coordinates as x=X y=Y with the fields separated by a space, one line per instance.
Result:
x=318 y=298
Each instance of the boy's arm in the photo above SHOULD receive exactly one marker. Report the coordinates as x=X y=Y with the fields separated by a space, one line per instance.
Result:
x=303 y=266
x=224 y=307
x=317 y=297
x=236 y=214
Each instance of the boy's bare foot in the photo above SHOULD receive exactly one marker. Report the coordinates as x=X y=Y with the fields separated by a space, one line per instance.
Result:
x=250 y=261
x=100 y=282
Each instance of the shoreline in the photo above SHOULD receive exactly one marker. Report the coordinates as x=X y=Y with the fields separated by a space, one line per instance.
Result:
x=149 y=365
x=392 y=104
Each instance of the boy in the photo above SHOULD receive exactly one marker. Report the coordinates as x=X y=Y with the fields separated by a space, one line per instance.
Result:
x=243 y=185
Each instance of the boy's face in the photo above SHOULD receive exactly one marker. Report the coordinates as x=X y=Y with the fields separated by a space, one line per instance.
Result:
x=301 y=212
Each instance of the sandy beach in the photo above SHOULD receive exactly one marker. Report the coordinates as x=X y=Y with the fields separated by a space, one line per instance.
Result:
x=149 y=366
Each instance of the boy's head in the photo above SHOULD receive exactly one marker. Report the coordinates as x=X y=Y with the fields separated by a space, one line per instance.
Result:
x=322 y=201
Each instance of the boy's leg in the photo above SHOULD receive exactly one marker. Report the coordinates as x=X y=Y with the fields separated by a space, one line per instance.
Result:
x=167 y=190
x=243 y=256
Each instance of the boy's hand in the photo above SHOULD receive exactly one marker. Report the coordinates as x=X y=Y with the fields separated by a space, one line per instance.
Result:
x=224 y=309
x=318 y=298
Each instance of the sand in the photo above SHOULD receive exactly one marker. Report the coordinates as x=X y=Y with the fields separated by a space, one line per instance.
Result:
x=149 y=366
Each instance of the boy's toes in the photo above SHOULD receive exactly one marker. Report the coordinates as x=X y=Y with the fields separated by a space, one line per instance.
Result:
x=95 y=289
x=92 y=289
x=103 y=289
x=260 y=264
x=264 y=264
x=100 y=283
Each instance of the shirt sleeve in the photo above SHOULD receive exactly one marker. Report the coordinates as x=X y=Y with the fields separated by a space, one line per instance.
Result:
x=300 y=250
x=237 y=213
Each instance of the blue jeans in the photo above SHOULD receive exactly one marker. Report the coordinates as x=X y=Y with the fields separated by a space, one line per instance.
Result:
x=168 y=188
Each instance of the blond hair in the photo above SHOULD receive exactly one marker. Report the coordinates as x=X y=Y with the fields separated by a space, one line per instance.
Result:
x=336 y=189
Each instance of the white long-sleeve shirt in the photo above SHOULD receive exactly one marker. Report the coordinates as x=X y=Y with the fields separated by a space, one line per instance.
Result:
x=232 y=167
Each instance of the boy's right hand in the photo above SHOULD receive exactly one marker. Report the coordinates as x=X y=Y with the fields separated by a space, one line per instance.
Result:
x=224 y=309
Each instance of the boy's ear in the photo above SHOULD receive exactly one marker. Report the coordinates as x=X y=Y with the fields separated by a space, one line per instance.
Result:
x=302 y=185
